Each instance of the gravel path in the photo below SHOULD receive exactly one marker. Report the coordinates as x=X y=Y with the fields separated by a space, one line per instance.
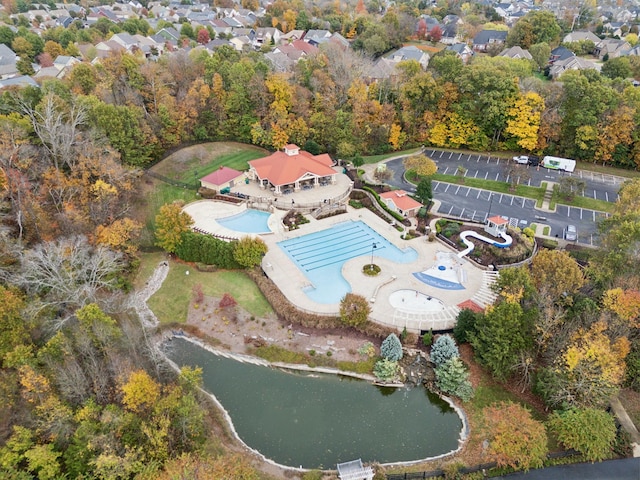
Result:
x=139 y=299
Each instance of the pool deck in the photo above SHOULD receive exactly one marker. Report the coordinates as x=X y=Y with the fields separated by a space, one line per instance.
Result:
x=393 y=276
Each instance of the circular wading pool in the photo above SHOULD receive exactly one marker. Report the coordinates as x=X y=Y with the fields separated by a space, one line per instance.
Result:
x=412 y=300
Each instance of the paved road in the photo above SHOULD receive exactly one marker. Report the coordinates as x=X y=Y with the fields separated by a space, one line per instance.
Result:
x=475 y=204
x=624 y=469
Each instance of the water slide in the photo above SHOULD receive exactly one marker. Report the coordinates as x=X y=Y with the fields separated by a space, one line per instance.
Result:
x=470 y=246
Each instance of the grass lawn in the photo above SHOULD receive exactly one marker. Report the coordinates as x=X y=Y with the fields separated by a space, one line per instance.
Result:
x=582 y=202
x=171 y=302
x=197 y=161
x=608 y=170
x=379 y=158
x=536 y=193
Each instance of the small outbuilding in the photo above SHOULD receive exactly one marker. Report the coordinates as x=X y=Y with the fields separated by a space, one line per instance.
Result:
x=354 y=470
x=221 y=179
x=496 y=225
x=399 y=201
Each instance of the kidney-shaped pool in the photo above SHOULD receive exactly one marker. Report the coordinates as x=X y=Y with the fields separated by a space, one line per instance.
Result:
x=317 y=420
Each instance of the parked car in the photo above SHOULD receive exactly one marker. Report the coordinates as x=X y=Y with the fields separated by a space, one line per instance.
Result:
x=570 y=233
x=521 y=159
x=534 y=161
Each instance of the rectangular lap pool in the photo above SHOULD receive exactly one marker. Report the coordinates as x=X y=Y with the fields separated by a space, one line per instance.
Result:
x=321 y=255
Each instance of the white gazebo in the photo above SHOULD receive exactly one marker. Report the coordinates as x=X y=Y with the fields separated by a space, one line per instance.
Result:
x=354 y=470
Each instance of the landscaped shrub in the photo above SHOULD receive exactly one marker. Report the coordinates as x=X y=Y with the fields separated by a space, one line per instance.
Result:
x=427 y=338
x=529 y=232
x=385 y=370
x=450 y=229
x=354 y=310
x=227 y=301
x=452 y=378
x=249 y=251
x=590 y=431
x=465 y=324
x=367 y=350
x=196 y=247
x=391 y=348
x=443 y=349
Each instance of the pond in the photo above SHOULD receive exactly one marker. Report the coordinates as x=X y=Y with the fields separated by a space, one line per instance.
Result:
x=316 y=420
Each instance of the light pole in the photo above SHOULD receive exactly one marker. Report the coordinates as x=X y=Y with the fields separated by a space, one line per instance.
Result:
x=373 y=247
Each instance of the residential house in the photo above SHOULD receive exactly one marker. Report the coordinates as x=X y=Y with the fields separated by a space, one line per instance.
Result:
x=399 y=201
x=241 y=43
x=267 y=36
x=8 y=59
x=280 y=61
x=222 y=178
x=572 y=63
x=487 y=39
x=292 y=169
x=382 y=69
x=19 y=81
x=291 y=36
x=516 y=53
x=297 y=49
x=462 y=51
x=316 y=37
x=411 y=53
x=450 y=35
x=559 y=54
x=580 y=36
x=611 y=48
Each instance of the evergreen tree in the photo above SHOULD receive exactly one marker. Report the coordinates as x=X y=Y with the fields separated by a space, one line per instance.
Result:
x=391 y=348
x=444 y=349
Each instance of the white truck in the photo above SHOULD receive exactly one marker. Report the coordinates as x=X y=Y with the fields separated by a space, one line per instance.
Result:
x=558 y=163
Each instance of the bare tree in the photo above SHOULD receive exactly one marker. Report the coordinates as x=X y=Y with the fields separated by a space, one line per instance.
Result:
x=68 y=273
x=58 y=130
x=344 y=66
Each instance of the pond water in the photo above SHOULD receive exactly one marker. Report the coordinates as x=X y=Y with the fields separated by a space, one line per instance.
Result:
x=317 y=420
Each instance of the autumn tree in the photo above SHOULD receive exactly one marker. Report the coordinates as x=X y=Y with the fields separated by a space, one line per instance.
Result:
x=556 y=275
x=171 y=223
x=121 y=235
x=13 y=327
x=68 y=272
x=515 y=438
x=624 y=303
x=249 y=251
x=421 y=165
x=590 y=431
x=523 y=120
x=589 y=370
x=354 y=310
x=140 y=392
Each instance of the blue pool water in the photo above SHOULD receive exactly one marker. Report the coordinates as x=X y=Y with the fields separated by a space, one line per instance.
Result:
x=249 y=221
x=320 y=256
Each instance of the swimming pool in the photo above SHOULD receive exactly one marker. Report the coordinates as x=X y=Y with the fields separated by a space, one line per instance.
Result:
x=249 y=221
x=321 y=255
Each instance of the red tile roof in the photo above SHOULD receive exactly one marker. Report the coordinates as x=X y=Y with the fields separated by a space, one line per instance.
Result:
x=498 y=220
x=221 y=176
x=282 y=169
x=471 y=305
x=401 y=200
